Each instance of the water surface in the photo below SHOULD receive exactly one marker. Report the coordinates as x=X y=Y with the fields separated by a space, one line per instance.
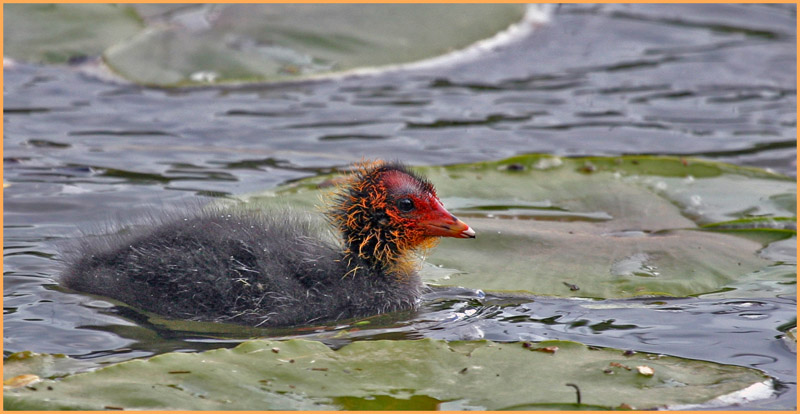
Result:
x=715 y=81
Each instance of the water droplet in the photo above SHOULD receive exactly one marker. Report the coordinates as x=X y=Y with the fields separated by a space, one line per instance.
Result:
x=99 y=304
x=204 y=76
x=754 y=316
x=635 y=265
x=547 y=163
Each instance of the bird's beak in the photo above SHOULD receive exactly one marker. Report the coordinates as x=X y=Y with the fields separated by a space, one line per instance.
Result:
x=444 y=224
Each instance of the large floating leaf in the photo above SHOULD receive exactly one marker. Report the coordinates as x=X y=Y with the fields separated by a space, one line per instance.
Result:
x=285 y=41
x=607 y=227
x=422 y=375
x=56 y=33
x=203 y=44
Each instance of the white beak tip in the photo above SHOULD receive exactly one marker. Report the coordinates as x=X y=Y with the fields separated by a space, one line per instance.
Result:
x=468 y=233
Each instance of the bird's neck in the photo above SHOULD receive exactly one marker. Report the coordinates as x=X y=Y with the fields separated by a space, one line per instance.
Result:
x=377 y=250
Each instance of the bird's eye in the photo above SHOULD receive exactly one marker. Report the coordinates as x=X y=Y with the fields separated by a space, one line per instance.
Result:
x=405 y=205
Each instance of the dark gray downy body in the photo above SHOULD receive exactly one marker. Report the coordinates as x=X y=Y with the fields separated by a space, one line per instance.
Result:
x=236 y=266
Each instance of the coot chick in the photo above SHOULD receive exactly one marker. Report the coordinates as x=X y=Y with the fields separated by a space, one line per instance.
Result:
x=253 y=268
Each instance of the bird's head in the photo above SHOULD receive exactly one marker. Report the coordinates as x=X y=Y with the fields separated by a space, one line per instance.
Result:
x=385 y=211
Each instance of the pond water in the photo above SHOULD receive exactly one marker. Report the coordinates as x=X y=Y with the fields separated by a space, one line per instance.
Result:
x=714 y=81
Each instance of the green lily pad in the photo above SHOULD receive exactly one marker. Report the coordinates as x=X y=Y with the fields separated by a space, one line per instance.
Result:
x=606 y=227
x=207 y=44
x=56 y=33
x=424 y=374
x=289 y=41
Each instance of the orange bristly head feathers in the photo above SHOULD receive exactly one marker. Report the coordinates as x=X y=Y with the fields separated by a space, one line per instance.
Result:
x=385 y=211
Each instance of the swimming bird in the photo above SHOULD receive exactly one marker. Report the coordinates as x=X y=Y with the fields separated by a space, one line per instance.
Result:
x=264 y=269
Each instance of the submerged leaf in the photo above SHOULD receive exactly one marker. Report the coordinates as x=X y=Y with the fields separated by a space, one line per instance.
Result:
x=631 y=226
x=424 y=374
x=200 y=44
x=270 y=42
